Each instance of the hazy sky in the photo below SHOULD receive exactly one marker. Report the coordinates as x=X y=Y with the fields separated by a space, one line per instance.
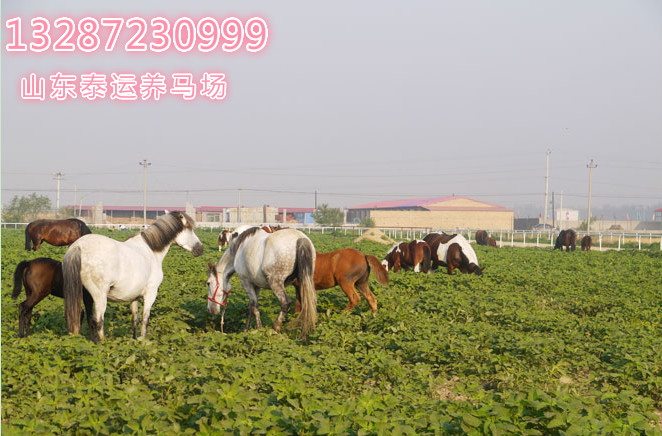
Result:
x=363 y=101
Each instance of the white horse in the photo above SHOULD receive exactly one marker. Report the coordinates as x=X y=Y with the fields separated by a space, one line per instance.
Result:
x=266 y=261
x=122 y=271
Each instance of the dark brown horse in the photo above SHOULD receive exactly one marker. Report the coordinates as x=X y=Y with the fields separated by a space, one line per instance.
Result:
x=586 y=243
x=349 y=269
x=41 y=277
x=55 y=232
x=481 y=237
x=567 y=239
x=414 y=254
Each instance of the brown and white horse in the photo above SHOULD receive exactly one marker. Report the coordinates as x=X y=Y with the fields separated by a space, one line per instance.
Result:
x=226 y=236
x=414 y=254
x=349 y=269
x=586 y=243
x=458 y=253
x=433 y=240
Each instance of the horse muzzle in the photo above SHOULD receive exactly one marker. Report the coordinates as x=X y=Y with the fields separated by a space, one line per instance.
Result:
x=197 y=250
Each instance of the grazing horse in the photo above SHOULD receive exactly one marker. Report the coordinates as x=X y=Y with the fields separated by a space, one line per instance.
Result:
x=458 y=253
x=586 y=243
x=567 y=238
x=55 y=232
x=40 y=277
x=491 y=242
x=123 y=271
x=406 y=255
x=224 y=238
x=481 y=237
x=267 y=261
x=349 y=269
x=227 y=236
x=434 y=240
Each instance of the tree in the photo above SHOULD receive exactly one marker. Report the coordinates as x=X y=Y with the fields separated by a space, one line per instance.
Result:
x=367 y=222
x=25 y=208
x=328 y=216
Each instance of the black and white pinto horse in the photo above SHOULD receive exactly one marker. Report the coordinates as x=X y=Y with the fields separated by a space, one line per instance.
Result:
x=122 y=271
x=265 y=260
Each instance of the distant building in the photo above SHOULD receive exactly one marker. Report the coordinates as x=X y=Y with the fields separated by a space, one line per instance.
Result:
x=566 y=215
x=658 y=215
x=437 y=213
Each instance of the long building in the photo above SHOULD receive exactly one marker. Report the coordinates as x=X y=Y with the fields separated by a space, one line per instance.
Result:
x=453 y=212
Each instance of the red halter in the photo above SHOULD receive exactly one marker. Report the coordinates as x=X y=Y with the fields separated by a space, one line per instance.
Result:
x=226 y=293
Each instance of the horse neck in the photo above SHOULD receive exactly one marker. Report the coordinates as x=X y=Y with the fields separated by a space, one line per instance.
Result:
x=139 y=241
x=225 y=265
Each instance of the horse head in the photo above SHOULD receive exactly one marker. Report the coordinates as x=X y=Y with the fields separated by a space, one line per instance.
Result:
x=187 y=239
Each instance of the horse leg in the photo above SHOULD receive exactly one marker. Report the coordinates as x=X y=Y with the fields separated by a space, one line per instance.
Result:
x=252 y=293
x=24 y=315
x=134 y=318
x=278 y=286
x=417 y=267
x=348 y=287
x=364 y=289
x=97 y=333
x=148 y=300
x=89 y=309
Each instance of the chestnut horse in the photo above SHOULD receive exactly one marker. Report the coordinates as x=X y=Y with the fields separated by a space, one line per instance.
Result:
x=567 y=238
x=349 y=269
x=55 y=232
x=456 y=252
x=481 y=237
x=586 y=243
x=40 y=277
x=491 y=242
x=406 y=255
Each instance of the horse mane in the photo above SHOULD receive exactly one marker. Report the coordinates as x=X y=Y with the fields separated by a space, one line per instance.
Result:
x=164 y=230
x=242 y=237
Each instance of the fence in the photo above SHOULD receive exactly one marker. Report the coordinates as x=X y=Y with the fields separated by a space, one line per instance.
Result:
x=512 y=238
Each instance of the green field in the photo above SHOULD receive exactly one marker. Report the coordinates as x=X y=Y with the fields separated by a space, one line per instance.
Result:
x=545 y=343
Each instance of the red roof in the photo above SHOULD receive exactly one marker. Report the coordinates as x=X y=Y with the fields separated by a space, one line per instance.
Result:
x=423 y=203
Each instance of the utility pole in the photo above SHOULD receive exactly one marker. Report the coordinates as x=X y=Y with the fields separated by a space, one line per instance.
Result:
x=315 y=198
x=58 y=177
x=239 y=207
x=561 y=206
x=590 y=167
x=546 y=188
x=144 y=164
x=75 y=198
x=553 y=211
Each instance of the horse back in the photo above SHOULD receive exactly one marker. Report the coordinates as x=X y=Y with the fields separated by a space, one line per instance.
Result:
x=45 y=275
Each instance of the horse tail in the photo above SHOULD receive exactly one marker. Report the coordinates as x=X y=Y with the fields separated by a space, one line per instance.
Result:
x=73 y=289
x=305 y=264
x=378 y=269
x=427 y=255
x=18 y=277
x=28 y=239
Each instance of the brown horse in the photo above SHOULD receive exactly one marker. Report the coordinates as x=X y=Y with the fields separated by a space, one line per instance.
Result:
x=55 y=232
x=586 y=243
x=349 y=269
x=224 y=238
x=481 y=237
x=491 y=242
x=434 y=240
x=41 y=277
x=270 y=229
x=414 y=254
x=567 y=239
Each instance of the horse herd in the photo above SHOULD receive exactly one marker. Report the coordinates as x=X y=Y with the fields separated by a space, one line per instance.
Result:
x=96 y=269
